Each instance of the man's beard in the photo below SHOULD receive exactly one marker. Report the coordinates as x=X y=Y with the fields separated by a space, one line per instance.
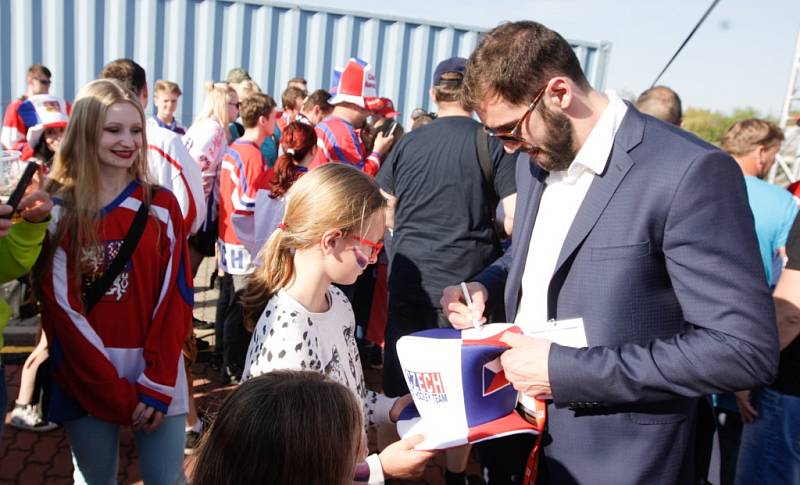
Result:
x=557 y=152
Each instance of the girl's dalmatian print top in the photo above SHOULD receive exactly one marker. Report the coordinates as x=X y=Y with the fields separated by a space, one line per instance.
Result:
x=288 y=336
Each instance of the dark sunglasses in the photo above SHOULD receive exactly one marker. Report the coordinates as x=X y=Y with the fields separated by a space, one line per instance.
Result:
x=46 y=82
x=515 y=135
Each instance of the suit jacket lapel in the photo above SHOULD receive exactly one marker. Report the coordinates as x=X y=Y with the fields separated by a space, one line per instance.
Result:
x=593 y=204
x=604 y=185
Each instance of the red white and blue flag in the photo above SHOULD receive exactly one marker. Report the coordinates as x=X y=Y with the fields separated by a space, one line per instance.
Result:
x=461 y=394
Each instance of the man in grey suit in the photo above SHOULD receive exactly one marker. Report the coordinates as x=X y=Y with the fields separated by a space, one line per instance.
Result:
x=644 y=232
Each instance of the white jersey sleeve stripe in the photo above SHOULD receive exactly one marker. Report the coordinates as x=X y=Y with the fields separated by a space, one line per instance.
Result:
x=61 y=289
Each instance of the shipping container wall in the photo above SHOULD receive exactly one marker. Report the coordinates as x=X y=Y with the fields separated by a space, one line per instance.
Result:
x=193 y=41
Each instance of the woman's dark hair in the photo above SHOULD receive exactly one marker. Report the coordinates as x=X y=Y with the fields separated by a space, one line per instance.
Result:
x=297 y=140
x=283 y=428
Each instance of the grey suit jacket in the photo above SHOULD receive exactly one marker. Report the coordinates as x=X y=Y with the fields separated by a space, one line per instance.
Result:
x=662 y=264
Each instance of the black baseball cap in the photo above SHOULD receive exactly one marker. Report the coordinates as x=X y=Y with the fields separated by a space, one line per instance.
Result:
x=454 y=64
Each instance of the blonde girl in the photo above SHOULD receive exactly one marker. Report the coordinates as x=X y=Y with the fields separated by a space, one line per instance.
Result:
x=331 y=230
x=117 y=358
x=206 y=141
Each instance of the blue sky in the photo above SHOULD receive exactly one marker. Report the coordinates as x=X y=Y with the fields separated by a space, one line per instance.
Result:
x=740 y=57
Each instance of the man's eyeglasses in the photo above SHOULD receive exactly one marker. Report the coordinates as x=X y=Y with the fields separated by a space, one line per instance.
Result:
x=46 y=82
x=515 y=135
x=375 y=247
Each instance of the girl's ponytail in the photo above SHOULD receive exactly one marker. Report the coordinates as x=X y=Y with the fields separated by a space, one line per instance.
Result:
x=297 y=141
x=275 y=272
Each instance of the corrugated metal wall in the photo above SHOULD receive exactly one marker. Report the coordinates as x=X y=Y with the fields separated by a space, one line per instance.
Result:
x=191 y=41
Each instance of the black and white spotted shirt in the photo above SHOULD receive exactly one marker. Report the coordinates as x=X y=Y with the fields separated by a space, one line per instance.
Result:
x=288 y=336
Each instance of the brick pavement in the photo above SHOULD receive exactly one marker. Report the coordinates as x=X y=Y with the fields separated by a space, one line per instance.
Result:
x=29 y=458
x=38 y=458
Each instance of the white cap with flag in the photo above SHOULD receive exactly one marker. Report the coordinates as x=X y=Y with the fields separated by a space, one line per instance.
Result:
x=356 y=84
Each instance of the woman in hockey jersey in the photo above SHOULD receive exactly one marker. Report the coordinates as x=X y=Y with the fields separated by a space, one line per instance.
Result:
x=116 y=293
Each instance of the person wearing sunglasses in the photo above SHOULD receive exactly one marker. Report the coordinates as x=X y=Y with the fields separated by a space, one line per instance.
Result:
x=642 y=231
x=20 y=114
x=331 y=230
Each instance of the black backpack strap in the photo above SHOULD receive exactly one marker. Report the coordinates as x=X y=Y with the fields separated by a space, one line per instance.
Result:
x=482 y=141
x=101 y=285
x=485 y=162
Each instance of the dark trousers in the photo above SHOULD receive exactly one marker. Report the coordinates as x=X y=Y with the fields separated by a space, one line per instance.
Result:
x=503 y=459
x=228 y=284
x=42 y=386
x=704 y=439
x=729 y=427
x=236 y=340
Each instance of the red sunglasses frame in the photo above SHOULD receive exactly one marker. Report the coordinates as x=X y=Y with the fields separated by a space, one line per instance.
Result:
x=375 y=247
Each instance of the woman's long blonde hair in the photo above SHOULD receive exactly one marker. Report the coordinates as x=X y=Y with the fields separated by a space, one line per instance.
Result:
x=332 y=196
x=75 y=175
x=215 y=106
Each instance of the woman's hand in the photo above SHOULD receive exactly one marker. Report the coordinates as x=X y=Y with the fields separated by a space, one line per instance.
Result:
x=400 y=460
x=146 y=418
x=36 y=204
x=401 y=403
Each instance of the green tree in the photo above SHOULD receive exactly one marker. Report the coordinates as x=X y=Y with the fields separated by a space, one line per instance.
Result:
x=711 y=125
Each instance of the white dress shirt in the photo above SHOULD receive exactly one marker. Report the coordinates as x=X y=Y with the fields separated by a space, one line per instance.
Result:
x=563 y=194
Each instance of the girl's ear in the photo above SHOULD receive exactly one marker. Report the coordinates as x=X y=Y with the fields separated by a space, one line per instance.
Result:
x=328 y=241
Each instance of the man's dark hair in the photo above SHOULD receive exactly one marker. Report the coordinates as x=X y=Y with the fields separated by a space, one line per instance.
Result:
x=126 y=71
x=661 y=102
x=290 y=96
x=319 y=98
x=39 y=70
x=253 y=106
x=515 y=60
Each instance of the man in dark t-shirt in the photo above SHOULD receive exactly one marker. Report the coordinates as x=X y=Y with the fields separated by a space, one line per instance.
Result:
x=769 y=446
x=442 y=219
x=443 y=232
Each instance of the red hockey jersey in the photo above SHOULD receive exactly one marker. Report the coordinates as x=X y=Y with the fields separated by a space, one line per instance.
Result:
x=128 y=349
x=241 y=166
x=337 y=141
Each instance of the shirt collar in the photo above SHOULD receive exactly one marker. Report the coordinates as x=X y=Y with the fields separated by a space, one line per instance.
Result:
x=163 y=124
x=593 y=155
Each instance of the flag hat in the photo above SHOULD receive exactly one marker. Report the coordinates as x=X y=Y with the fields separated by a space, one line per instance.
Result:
x=459 y=388
x=46 y=111
x=355 y=83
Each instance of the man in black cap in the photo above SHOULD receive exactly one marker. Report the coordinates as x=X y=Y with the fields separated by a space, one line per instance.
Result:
x=443 y=212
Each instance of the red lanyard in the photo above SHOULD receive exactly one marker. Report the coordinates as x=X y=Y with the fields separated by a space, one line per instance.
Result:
x=532 y=466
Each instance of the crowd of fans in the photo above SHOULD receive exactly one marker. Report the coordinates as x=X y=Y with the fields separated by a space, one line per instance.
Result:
x=318 y=264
